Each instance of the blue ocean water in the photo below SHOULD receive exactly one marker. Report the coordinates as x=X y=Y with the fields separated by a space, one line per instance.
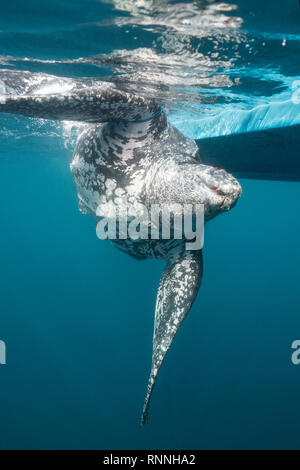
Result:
x=77 y=315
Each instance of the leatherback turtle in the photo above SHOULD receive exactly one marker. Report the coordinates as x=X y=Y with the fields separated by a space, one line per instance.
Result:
x=129 y=149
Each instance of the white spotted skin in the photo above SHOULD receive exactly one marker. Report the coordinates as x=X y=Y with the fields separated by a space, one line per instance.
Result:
x=177 y=290
x=148 y=163
x=152 y=163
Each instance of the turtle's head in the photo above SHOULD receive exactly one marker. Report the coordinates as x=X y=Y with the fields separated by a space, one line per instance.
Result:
x=218 y=189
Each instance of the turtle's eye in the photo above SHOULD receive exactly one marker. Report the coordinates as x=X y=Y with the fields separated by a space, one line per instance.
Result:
x=197 y=155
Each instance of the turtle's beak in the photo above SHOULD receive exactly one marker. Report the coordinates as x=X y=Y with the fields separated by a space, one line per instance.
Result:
x=228 y=186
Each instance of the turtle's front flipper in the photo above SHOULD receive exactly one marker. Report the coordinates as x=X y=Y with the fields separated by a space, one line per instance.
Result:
x=22 y=82
x=177 y=290
x=56 y=98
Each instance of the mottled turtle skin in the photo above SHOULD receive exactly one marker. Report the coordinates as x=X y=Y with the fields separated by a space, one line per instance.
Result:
x=129 y=149
x=149 y=163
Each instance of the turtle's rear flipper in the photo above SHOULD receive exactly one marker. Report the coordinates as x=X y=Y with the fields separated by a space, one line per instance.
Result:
x=177 y=290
